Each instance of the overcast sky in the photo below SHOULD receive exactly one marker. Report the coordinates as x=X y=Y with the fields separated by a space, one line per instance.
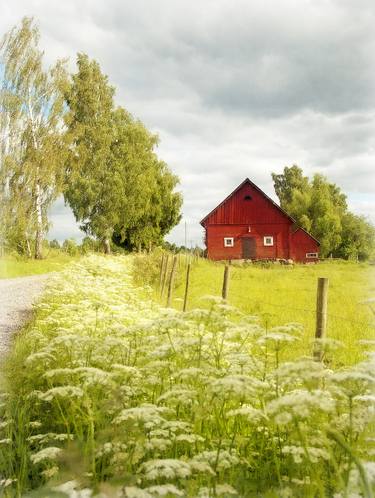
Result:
x=234 y=88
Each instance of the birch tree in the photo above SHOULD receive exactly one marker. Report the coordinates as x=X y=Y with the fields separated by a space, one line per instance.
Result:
x=33 y=144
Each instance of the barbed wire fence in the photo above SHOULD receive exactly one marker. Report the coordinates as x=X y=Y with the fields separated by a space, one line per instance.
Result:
x=320 y=312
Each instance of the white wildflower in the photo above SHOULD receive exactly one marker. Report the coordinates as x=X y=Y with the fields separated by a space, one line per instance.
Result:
x=39 y=358
x=4 y=483
x=134 y=492
x=298 y=453
x=189 y=438
x=225 y=489
x=50 y=453
x=252 y=415
x=164 y=490
x=50 y=472
x=301 y=403
x=167 y=468
x=71 y=488
x=35 y=424
x=221 y=459
x=150 y=415
x=237 y=385
x=61 y=392
x=220 y=489
x=179 y=395
x=159 y=444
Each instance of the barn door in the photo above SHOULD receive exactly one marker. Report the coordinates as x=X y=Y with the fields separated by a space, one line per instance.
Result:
x=249 y=248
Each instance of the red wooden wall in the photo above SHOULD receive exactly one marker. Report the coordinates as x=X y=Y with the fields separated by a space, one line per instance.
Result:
x=258 y=217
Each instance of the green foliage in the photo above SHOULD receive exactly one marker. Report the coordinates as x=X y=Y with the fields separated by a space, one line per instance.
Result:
x=116 y=186
x=70 y=247
x=320 y=208
x=32 y=144
x=89 y=244
x=147 y=269
x=54 y=244
x=125 y=398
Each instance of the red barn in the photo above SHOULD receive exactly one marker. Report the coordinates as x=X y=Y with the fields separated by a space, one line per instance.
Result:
x=250 y=225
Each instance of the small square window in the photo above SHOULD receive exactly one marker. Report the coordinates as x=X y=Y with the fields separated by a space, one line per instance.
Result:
x=228 y=241
x=268 y=240
x=311 y=255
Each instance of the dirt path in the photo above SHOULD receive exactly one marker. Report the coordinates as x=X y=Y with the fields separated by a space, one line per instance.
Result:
x=16 y=298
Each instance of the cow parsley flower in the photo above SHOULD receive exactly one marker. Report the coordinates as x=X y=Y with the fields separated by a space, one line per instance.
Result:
x=168 y=469
x=50 y=453
x=135 y=492
x=165 y=489
x=301 y=403
x=67 y=392
x=237 y=385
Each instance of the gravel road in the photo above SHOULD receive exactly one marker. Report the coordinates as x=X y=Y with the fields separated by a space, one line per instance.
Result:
x=16 y=298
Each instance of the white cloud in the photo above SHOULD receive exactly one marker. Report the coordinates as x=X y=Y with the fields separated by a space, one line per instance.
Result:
x=234 y=89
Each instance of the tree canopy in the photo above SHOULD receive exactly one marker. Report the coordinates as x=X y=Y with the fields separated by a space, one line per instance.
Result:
x=116 y=186
x=320 y=207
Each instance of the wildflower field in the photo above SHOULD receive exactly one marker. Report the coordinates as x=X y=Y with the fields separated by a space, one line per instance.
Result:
x=108 y=394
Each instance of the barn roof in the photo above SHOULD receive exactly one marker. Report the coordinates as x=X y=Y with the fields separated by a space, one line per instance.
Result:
x=308 y=233
x=248 y=181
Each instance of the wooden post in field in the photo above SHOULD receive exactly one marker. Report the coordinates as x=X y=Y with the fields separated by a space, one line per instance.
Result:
x=171 y=280
x=224 y=292
x=161 y=270
x=321 y=316
x=164 y=277
x=186 y=286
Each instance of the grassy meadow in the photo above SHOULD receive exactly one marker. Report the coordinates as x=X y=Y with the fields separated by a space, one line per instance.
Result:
x=282 y=294
x=19 y=266
x=108 y=394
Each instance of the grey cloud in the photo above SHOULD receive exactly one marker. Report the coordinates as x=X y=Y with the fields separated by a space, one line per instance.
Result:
x=234 y=89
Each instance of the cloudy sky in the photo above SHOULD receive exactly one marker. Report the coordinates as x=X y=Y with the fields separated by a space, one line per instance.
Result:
x=234 y=88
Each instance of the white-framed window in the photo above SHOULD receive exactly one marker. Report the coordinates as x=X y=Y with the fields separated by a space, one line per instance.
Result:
x=228 y=241
x=268 y=240
x=311 y=255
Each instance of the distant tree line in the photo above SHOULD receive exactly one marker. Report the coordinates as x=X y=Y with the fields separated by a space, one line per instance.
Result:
x=63 y=134
x=90 y=244
x=320 y=207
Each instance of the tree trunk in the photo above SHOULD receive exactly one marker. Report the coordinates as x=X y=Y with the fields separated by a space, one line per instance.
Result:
x=28 y=248
x=107 y=246
x=39 y=222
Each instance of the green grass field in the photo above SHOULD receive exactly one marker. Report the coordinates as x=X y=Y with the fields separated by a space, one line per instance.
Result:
x=17 y=266
x=282 y=294
x=107 y=392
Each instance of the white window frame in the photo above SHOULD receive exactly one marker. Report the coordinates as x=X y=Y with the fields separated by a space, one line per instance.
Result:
x=266 y=242
x=311 y=255
x=228 y=241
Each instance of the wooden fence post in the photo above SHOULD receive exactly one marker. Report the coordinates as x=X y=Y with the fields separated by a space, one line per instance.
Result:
x=186 y=286
x=161 y=270
x=164 y=278
x=224 y=292
x=321 y=316
x=171 y=280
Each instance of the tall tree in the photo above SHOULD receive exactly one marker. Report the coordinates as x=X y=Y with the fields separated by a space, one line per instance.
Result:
x=321 y=208
x=90 y=187
x=32 y=142
x=116 y=186
x=288 y=182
